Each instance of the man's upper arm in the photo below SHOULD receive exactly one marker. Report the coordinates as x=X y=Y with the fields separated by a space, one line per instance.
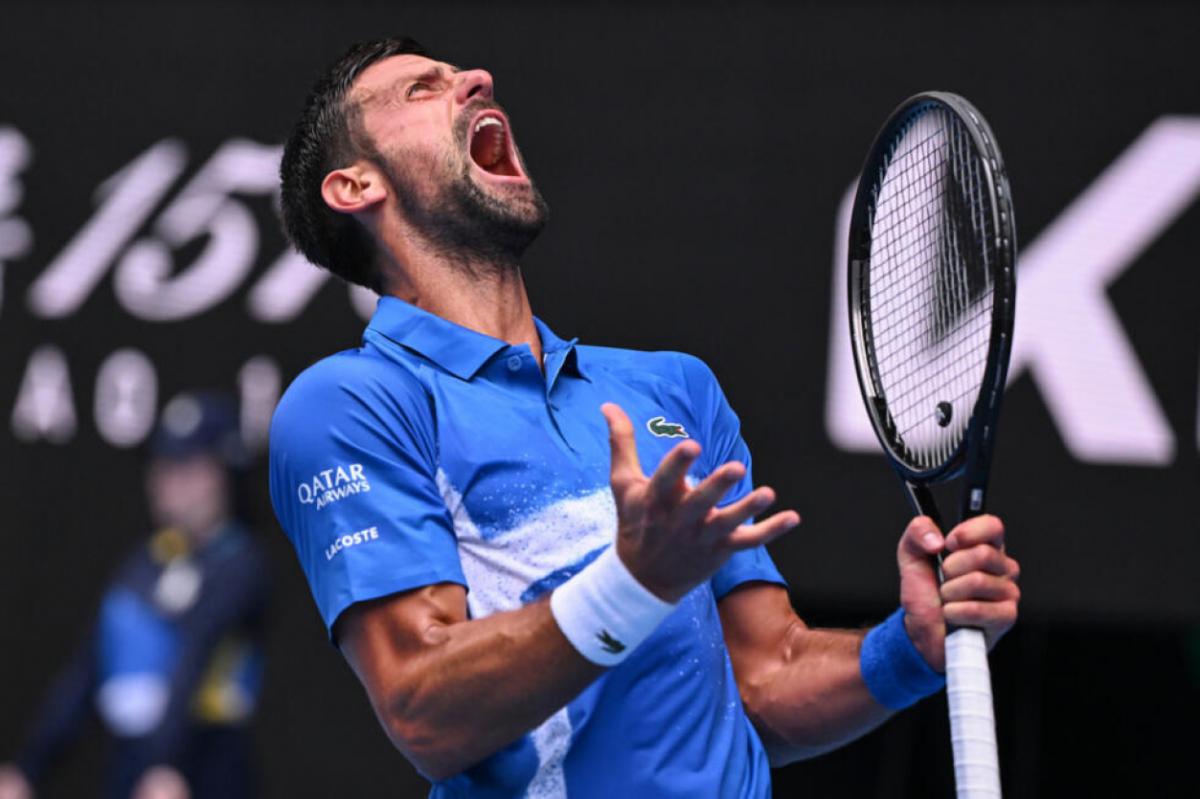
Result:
x=757 y=619
x=379 y=636
x=760 y=630
x=353 y=469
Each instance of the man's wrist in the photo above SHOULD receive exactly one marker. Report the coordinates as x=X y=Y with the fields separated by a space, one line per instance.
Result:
x=893 y=669
x=605 y=612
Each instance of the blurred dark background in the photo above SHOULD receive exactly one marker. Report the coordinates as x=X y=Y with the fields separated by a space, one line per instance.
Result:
x=700 y=148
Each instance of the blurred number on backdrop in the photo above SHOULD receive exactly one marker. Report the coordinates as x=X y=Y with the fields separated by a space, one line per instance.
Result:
x=129 y=237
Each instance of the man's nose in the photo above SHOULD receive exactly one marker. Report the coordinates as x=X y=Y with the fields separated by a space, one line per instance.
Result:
x=473 y=83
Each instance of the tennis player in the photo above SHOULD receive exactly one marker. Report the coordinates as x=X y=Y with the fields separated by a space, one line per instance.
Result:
x=541 y=557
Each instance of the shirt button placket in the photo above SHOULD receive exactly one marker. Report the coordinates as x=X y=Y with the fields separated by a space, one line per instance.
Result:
x=514 y=363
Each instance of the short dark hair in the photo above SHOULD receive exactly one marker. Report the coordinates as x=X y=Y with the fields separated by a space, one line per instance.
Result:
x=324 y=139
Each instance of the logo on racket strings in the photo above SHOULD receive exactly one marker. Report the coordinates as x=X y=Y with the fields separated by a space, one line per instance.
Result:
x=660 y=427
x=944 y=413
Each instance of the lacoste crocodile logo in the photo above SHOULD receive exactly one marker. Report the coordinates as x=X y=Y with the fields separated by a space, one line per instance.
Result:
x=660 y=427
x=610 y=644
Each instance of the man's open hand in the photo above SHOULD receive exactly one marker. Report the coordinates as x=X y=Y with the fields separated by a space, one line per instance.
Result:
x=980 y=588
x=672 y=537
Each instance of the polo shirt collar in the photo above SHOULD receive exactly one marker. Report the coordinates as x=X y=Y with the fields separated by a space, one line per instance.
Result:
x=557 y=353
x=457 y=349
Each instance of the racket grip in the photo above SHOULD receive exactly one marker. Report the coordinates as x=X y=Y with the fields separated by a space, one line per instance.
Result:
x=972 y=725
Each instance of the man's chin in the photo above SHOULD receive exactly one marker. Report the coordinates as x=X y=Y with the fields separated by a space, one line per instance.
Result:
x=482 y=224
x=518 y=196
x=513 y=203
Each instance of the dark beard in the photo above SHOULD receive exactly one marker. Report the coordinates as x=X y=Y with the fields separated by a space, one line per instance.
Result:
x=462 y=222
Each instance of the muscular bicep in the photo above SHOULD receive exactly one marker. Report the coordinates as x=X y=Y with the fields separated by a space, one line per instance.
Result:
x=760 y=626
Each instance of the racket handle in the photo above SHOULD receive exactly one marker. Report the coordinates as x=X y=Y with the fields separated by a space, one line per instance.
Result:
x=972 y=726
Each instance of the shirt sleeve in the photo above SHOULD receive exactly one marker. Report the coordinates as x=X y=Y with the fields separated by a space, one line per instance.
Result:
x=723 y=443
x=353 y=472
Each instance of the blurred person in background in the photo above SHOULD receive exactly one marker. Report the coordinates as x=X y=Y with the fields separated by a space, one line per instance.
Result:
x=172 y=663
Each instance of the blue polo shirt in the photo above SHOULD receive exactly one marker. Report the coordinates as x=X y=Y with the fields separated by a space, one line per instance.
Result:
x=433 y=453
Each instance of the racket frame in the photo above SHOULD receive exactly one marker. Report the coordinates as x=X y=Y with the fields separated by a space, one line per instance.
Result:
x=972 y=457
x=968 y=680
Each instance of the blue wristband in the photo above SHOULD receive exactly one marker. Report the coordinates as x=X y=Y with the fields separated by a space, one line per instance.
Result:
x=894 y=671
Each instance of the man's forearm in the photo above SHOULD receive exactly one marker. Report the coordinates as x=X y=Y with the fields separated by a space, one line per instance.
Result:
x=472 y=687
x=803 y=688
x=814 y=699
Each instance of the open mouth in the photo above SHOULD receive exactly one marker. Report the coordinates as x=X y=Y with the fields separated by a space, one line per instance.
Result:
x=491 y=146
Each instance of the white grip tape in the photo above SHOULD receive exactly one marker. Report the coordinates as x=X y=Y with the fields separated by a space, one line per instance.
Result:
x=972 y=726
x=605 y=612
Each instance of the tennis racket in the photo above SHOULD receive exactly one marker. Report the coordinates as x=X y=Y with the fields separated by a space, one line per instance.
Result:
x=932 y=291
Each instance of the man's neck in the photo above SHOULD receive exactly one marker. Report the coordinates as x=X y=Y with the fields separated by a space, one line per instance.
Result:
x=484 y=297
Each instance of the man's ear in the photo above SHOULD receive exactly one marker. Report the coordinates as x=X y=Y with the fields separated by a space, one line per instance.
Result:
x=353 y=189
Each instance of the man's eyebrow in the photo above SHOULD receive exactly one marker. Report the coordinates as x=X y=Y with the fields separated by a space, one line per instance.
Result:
x=433 y=73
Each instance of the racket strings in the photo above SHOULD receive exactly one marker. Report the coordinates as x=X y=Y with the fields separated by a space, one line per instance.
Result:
x=910 y=250
x=895 y=306
x=979 y=323
x=961 y=373
x=929 y=291
x=904 y=170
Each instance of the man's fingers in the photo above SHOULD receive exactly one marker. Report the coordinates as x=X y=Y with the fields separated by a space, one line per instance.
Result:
x=919 y=586
x=667 y=481
x=985 y=529
x=921 y=540
x=703 y=497
x=723 y=520
x=625 y=461
x=980 y=586
x=979 y=558
x=914 y=555
x=748 y=536
x=994 y=618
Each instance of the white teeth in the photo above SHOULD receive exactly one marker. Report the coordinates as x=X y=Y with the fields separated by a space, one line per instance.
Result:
x=481 y=124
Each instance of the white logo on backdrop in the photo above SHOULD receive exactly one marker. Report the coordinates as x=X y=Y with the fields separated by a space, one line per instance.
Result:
x=146 y=280
x=1068 y=335
x=129 y=236
x=45 y=407
x=16 y=238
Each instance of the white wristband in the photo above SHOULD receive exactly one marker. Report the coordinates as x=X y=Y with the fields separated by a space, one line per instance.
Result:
x=605 y=612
